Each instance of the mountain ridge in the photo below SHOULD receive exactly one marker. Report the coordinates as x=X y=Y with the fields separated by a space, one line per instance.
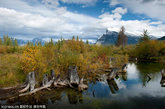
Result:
x=110 y=38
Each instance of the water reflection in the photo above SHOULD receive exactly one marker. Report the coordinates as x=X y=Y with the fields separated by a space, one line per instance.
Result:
x=141 y=83
x=137 y=81
x=113 y=86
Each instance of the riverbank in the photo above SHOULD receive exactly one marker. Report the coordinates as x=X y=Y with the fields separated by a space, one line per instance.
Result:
x=89 y=59
x=128 y=90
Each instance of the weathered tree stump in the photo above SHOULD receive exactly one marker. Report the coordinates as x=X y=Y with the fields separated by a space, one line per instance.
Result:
x=73 y=75
x=162 y=81
x=72 y=79
x=45 y=80
x=124 y=68
x=30 y=80
x=52 y=74
x=163 y=73
x=113 y=74
x=111 y=59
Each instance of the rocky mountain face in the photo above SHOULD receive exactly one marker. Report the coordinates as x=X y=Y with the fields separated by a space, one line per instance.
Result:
x=111 y=36
x=162 y=38
x=108 y=38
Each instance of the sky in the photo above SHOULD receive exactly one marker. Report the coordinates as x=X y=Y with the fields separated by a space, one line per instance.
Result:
x=87 y=19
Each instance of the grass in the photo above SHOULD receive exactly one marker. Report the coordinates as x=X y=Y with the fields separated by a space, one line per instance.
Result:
x=15 y=63
x=9 y=70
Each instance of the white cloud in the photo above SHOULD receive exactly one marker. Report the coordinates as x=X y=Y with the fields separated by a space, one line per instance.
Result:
x=22 y=19
x=120 y=10
x=151 y=8
x=85 y=2
x=114 y=2
x=51 y=3
x=63 y=23
x=55 y=3
x=132 y=26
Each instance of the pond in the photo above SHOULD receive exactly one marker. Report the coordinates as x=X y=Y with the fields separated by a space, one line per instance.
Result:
x=138 y=88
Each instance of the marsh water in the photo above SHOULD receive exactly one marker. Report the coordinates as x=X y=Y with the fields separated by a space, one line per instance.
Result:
x=138 y=88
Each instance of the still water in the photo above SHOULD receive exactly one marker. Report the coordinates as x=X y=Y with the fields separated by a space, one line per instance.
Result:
x=138 y=88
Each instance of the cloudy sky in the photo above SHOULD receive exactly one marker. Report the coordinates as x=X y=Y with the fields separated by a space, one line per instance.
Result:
x=85 y=18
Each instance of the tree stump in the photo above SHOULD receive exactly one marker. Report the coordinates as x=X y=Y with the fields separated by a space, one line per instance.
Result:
x=73 y=75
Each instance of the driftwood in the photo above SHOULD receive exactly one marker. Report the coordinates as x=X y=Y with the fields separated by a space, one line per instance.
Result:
x=102 y=77
x=72 y=81
x=38 y=89
x=82 y=86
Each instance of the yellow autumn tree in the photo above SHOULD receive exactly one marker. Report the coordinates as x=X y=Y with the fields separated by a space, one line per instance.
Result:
x=32 y=60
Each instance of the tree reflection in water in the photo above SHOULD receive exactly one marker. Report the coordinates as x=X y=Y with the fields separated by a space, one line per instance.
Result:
x=126 y=85
x=113 y=86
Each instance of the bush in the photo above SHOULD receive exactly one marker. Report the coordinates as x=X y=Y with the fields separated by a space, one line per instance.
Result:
x=150 y=50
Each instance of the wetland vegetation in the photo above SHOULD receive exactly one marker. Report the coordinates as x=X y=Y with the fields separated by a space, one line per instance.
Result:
x=142 y=78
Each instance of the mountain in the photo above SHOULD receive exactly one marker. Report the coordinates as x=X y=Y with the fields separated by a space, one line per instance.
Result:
x=37 y=40
x=162 y=38
x=42 y=40
x=111 y=36
x=21 y=42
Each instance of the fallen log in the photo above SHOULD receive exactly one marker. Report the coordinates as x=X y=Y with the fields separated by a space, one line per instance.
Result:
x=70 y=80
x=38 y=89
x=14 y=87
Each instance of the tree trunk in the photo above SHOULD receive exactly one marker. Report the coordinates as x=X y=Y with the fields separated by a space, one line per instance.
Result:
x=73 y=75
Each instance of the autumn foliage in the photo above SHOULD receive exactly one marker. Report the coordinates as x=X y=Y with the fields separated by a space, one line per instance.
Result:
x=59 y=56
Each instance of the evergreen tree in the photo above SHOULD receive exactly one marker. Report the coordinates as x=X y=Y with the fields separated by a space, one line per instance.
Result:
x=39 y=43
x=145 y=36
x=51 y=42
x=81 y=40
x=77 y=38
x=29 y=43
x=7 y=40
x=122 y=38
x=87 y=42
x=61 y=38
x=15 y=42
x=1 y=41
x=73 y=38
